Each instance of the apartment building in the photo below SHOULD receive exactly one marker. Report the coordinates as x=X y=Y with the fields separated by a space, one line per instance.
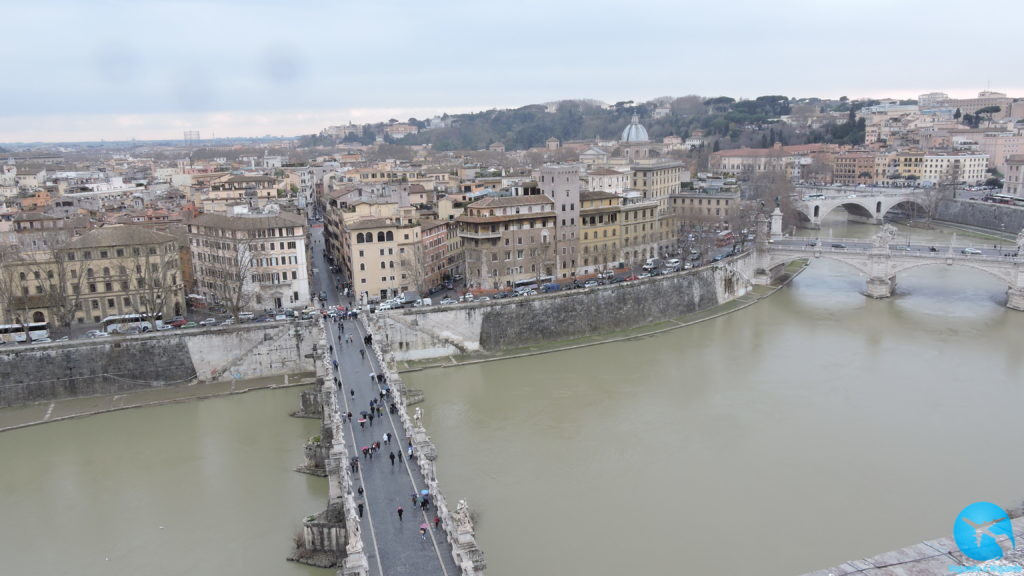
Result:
x=381 y=249
x=239 y=189
x=639 y=222
x=561 y=184
x=600 y=226
x=1014 y=180
x=104 y=272
x=853 y=168
x=509 y=241
x=250 y=263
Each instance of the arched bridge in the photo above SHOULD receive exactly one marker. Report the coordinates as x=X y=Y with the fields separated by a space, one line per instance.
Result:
x=881 y=260
x=868 y=205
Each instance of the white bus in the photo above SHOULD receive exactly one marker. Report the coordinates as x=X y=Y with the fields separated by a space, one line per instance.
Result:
x=127 y=322
x=16 y=332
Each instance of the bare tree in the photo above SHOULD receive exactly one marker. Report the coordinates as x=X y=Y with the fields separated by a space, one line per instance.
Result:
x=64 y=290
x=541 y=259
x=414 y=267
x=153 y=275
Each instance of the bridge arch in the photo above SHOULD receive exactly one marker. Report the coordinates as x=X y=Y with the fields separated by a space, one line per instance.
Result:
x=1003 y=275
x=852 y=207
x=915 y=206
x=784 y=259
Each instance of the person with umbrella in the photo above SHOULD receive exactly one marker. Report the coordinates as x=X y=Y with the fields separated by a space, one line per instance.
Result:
x=423 y=531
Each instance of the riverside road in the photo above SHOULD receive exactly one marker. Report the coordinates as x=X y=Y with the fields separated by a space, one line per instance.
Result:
x=393 y=545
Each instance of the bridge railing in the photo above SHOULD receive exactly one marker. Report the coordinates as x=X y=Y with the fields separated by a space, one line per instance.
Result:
x=857 y=246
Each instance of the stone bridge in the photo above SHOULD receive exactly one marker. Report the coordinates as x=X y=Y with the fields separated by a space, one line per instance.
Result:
x=880 y=260
x=867 y=205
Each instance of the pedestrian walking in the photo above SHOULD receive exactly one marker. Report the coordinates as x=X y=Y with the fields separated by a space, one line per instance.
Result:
x=360 y=509
x=332 y=348
x=387 y=438
x=392 y=456
x=373 y=377
x=415 y=498
x=423 y=533
x=437 y=520
x=335 y=363
x=362 y=354
x=400 y=512
x=352 y=391
x=365 y=450
x=371 y=418
x=424 y=503
x=360 y=490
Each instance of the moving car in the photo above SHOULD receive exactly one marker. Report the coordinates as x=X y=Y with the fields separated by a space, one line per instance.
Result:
x=838 y=245
x=96 y=334
x=970 y=251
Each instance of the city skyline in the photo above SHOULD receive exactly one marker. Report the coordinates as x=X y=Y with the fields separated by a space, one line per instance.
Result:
x=251 y=69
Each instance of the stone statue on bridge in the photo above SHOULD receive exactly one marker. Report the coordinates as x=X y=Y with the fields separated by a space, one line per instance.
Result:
x=885 y=236
x=1020 y=243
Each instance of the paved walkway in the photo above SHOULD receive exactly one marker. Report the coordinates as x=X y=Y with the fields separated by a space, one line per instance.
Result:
x=393 y=547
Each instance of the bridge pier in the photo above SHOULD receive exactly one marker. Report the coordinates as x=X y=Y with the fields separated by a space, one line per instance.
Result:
x=880 y=287
x=1015 y=299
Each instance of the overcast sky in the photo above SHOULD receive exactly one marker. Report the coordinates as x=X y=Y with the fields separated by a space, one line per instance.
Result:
x=117 y=69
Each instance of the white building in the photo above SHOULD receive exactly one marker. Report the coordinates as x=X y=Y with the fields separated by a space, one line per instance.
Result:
x=260 y=261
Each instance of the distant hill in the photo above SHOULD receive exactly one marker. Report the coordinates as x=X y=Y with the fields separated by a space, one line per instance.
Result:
x=728 y=122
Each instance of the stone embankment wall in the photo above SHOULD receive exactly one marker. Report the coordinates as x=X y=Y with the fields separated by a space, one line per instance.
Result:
x=504 y=324
x=122 y=364
x=999 y=217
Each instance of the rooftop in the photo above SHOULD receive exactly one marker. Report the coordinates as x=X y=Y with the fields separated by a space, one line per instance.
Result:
x=119 y=236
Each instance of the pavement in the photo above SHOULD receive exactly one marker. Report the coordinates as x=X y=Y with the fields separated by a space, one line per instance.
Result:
x=392 y=546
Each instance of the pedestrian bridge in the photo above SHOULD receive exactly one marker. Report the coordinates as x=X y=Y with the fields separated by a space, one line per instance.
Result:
x=880 y=260
x=867 y=205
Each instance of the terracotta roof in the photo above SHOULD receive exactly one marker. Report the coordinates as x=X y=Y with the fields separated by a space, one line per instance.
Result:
x=504 y=217
x=506 y=201
x=604 y=172
x=119 y=236
x=249 y=222
x=596 y=195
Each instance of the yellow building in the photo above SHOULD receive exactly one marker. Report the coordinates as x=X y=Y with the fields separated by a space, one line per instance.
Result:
x=599 y=231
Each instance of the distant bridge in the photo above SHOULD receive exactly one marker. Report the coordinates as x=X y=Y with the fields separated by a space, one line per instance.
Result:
x=867 y=205
x=880 y=259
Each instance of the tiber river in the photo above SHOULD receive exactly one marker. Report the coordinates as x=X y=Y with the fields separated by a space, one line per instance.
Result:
x=815 y=427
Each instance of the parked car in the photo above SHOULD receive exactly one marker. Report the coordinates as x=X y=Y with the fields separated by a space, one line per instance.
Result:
x=208 y=322
x=189 y=325
x=631 y=277
x=178 y=322
x=228 y=322
x=163 y=327
x=385 y=306
x=590 y=284
x=96 y=334
x=672 y=262
x=446 y=301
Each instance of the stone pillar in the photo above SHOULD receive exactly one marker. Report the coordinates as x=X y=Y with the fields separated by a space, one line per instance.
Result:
x=1015 y=295
x=880 y=287
x=776 y=223
x=1015 y=298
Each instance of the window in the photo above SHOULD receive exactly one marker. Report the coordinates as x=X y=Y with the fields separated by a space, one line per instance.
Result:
x=110 y=302
x=95 y=304
x=104 y=254
x=92 y=287
x=119 y=252
x=107 y=286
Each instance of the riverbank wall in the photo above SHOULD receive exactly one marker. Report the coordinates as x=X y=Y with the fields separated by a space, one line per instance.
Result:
x=118 y=365
x=421 y=333
x=995 y=217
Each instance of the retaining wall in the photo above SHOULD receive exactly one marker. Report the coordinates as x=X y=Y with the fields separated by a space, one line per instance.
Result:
x=505 y=324
x=122 y=364
x=981 y=215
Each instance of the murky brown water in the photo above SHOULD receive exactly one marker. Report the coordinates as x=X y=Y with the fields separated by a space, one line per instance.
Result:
x=199 y=488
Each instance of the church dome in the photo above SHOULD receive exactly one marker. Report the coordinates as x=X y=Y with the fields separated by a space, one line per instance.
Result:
x=635 y=132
